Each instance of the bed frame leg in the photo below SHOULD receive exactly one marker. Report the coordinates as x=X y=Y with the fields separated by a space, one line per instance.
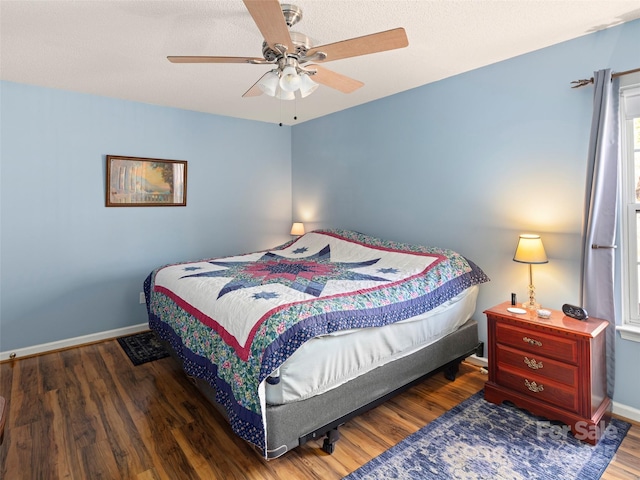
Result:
x=330 y=440
x=451 y=370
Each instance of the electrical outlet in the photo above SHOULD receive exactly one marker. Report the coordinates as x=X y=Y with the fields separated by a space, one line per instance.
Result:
x=142 y=299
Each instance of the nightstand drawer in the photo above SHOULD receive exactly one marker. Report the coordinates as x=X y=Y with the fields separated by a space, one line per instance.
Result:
x=539 y=388
x=538 y=365
x=559 y=348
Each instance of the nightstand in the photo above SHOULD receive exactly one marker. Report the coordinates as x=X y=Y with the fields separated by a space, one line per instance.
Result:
x=553 y=367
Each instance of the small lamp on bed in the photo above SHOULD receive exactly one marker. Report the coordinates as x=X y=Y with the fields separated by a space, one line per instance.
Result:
x=297 y=229
x=530 y=250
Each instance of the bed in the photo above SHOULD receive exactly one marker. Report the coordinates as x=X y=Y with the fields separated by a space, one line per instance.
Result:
x=291 y=342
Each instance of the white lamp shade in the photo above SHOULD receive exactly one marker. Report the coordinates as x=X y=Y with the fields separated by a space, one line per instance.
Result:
x=530 y=250
x=297 y=228
x=284 y=95
x=290 y=80
x=269 y=83
x=307 y=86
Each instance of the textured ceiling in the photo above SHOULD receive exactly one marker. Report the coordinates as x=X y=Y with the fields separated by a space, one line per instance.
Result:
x=118 y=48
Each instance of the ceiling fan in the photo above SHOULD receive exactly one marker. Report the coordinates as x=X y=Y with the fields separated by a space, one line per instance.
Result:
x=294 y=57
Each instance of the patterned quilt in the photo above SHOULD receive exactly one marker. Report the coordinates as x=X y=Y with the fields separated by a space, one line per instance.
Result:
x=235 y=320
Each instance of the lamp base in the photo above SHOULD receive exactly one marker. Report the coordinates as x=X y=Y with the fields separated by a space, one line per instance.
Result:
x=531 y=306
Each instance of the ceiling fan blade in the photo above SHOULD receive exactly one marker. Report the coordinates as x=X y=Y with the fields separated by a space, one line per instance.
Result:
x=203 y=59
x=334 y=80
x=255 y=90
x=376 y=42
x=268 y=16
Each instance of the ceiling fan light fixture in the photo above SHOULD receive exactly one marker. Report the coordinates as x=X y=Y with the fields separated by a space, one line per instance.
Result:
x=290 y=80
x=285 y=95
x=307 y=85
x=269 y=83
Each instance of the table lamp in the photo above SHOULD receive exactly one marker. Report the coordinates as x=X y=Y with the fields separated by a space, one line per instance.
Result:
x=297 y=229
x=530 y=250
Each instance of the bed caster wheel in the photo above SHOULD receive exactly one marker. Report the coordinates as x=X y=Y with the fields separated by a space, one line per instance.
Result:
x=329 y=444
x=328 y=447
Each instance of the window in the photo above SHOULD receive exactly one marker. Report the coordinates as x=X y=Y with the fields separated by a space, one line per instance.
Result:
x=630 y=206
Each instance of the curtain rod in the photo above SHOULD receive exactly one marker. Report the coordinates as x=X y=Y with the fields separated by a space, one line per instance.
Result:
x=584 y=81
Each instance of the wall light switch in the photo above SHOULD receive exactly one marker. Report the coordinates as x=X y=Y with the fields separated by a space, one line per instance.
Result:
x=142 y=300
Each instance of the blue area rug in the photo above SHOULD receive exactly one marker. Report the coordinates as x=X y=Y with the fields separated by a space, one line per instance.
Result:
x=480 y=440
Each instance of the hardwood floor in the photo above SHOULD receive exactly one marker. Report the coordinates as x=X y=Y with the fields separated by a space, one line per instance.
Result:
x=88 y=413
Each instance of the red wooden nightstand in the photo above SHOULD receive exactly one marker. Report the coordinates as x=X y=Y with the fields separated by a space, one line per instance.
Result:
x=553 y=367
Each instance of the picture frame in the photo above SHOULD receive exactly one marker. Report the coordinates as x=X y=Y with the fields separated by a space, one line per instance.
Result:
x=145 y=182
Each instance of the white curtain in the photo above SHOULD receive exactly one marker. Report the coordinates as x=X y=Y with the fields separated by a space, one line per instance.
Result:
x=598 y=256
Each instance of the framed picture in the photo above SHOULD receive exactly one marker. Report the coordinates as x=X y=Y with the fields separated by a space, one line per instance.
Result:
x=146 y=182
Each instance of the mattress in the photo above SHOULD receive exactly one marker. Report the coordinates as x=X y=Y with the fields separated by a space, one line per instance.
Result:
x=329 y=361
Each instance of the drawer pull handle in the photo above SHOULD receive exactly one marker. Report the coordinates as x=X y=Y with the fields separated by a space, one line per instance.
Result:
x=533 y=386
x=531 y=341
x=532 y=363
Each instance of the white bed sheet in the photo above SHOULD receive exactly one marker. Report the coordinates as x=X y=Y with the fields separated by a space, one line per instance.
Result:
x=329 y=361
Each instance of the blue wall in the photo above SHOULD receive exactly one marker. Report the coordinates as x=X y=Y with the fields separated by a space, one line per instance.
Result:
x=468 y=163
x=471 y=162
x=71 y=266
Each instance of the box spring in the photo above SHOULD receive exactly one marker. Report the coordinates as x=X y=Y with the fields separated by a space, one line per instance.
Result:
x=292 y=424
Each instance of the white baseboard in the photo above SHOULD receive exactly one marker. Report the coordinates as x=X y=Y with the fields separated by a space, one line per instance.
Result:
x=72 y=342
x=626 y=411
x=480 y=361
